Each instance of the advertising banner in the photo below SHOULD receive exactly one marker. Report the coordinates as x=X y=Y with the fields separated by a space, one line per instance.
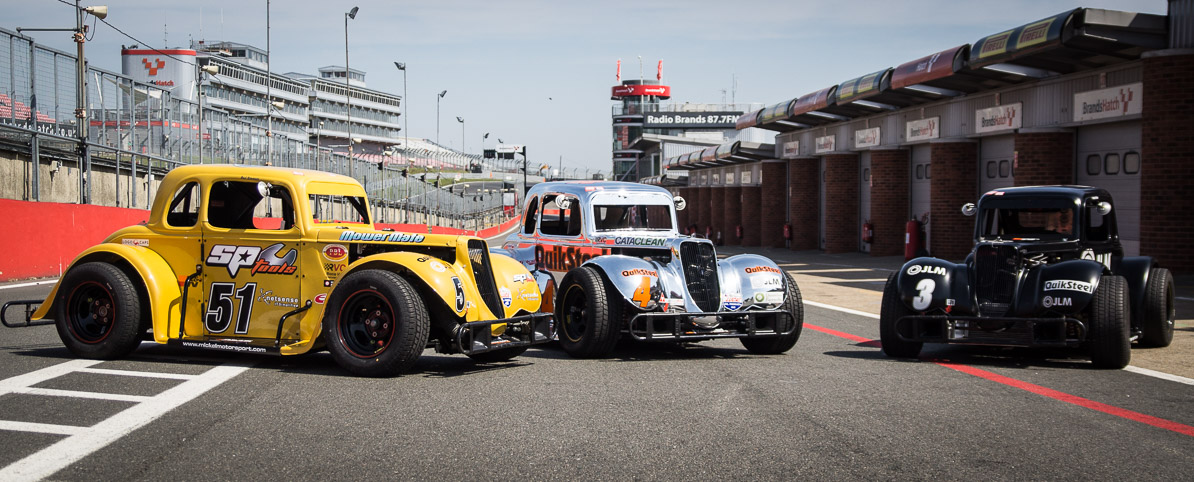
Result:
x=826 y=144
x=998 y=118
x=866 y=137
x=923 y=129
x=697 y=120
x=1110 y=102
x=791 y=150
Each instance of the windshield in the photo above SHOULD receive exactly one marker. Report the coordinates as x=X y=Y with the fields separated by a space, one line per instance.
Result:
x=636 y=217
x=1045 y=223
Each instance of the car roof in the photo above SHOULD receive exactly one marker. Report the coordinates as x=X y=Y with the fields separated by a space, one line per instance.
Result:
x=297 y=176
x=1069 y=191
x=585 y=189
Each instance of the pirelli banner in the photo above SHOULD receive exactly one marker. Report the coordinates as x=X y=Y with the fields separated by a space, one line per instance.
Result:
x=1010 y=44
x=691 y=120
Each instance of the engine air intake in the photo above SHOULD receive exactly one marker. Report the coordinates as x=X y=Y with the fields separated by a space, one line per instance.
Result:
x=478 y=254
x=700 y=274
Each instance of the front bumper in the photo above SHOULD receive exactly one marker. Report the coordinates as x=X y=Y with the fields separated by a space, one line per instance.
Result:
x=680 y=326
x=525 y=330
x=1001 y=331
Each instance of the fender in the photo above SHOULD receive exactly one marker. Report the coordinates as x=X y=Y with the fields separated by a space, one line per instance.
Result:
x=928 y=284
x=509 y=274
x=1065 y=287
x=1135 y=269
x=758 y=280
x=636 y=280
x=159 y=281
x=438 y=281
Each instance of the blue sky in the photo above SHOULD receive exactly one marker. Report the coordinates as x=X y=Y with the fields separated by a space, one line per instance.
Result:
x=501 y=61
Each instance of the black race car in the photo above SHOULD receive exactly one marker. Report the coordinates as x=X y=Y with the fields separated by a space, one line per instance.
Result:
x=1047 y=269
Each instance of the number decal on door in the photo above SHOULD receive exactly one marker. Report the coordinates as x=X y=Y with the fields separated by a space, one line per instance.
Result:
x=922 y=300
x=220 y=307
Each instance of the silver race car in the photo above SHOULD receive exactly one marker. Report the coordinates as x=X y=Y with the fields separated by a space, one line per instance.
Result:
x=610 y=263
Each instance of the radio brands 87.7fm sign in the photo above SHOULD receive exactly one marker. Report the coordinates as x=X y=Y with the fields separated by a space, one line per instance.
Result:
x=698 y=120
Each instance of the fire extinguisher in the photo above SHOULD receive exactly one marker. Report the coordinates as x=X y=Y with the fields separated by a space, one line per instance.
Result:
x=787 y=231
x=913 y=239
x=738 y=231
x=868 y=232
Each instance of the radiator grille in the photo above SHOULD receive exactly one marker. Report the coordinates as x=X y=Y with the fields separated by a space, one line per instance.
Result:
x=700 y=274
x=996 y=268
x=478 y=253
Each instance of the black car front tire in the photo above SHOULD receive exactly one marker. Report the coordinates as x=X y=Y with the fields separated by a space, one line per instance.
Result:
x=1159 y=313
x=586 y=318
x=1109 y=341
x=773 y=345
x=375 y=325
x=893 y=309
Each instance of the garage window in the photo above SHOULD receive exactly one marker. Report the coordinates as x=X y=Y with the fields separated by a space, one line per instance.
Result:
x=990 y=169
x=866 y=175
x=929 y=171
x=1005 y=168
x=920 y=171
x=1132 y=163
x=1093 y=164
x=1111 y=163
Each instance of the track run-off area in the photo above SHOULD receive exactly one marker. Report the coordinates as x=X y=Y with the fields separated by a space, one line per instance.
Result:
x=833 y=407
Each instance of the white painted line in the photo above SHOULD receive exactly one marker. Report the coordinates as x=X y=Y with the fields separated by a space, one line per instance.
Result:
x=1157 y=374
x=53 y=392
x=130 y=373
x=1129 y=368
x=1183 y=298
x=843 y=310
x=9 y=385
x=65 y=452
x=25 y=285
x=40 y=427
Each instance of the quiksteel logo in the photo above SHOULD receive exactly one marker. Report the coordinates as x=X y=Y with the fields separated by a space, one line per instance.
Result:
x=1069 y=285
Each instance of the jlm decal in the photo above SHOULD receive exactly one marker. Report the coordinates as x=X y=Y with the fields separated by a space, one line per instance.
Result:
x=919 y=269
x=259 y=260
x=1051 y=301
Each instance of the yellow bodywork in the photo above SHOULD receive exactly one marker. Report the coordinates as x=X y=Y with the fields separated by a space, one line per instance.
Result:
x=300 y=262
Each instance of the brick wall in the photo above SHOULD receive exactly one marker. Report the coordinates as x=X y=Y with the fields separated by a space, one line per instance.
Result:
x=803 y=188
x=889 y=200
x=1043 y=158
x=841 y=203
x=773 y=209
x=732 y=214
x=704 y=212
x=751 y=213
x=1167 y=167
x=952 y=184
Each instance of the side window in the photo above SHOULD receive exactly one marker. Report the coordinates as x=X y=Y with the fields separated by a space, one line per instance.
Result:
x=560 y=222
x=532 y=215
x=1097 y=226
x=250 y=205
x=184 y=207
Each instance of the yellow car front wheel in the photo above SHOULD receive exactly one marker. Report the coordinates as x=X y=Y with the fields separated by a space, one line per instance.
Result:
x=376 y=324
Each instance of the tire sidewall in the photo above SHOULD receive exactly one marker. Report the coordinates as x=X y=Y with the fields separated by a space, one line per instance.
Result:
x=123 y=336
x=407 y=339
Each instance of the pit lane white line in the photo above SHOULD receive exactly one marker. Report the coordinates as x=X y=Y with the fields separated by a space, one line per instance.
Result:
x=1130 y=368
x=82 y=441
x=25 y=285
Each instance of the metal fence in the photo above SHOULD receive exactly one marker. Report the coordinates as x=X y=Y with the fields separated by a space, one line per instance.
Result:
x=139 y=131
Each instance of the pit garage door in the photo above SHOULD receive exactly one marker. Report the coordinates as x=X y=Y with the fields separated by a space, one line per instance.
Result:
x=919 y=185
x=995 y=166
x=864 y=196
x=1109 y=157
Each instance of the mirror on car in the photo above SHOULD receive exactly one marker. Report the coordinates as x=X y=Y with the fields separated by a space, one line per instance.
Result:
x=263 y=188
x=1104 y=208
x=679 y=202
x=563 y=202
x=968 y=209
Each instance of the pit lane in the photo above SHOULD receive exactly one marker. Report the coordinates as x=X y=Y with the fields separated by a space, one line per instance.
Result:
x=833 y=407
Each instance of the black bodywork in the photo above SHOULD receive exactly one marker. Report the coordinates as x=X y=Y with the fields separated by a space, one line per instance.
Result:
x=1030 y=276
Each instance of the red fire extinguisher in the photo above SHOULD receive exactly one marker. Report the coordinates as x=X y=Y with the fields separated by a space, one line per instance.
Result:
x=868 y=232
x=787 y=231
x=913 y=239
x=738 y=231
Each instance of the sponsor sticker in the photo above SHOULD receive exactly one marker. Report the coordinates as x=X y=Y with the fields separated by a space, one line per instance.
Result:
x=335 y=252
x=521 y=278
x=382 y=236
x=765 y=282
x=328 y=283
x=920 y=269
x=731 y=302
x=260 y=261
x=530 y=295
x=772 y=297
x=1051 y=301
x=759 y=297
x=506 y=298
x=438 y=266
x=639 y=272
x=459 y=293
x=1069 y=285
x=321 y=298
x=136 y=242
x=763 y=269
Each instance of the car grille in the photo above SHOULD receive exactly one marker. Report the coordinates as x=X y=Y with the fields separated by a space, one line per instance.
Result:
x=478 y=253
x=700 y=274
x=996 y=268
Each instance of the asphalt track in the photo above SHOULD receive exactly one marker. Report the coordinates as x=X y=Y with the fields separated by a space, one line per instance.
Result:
x=832 y=408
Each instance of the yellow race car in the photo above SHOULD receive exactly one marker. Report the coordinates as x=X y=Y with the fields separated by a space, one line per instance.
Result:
x=286 y=261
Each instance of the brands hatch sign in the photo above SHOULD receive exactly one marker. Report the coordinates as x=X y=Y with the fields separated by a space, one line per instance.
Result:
x=698 y=120
x=1112 y=102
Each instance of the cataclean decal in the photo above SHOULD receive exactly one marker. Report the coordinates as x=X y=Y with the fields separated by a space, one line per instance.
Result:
x=639 y=272
x=636 y=241
x=763 y=269
x=264 y=261
x=388 y=237
x=558 y=258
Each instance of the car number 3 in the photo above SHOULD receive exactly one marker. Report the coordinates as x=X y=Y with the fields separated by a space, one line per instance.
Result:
x=219 y=307
x=924 y=294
